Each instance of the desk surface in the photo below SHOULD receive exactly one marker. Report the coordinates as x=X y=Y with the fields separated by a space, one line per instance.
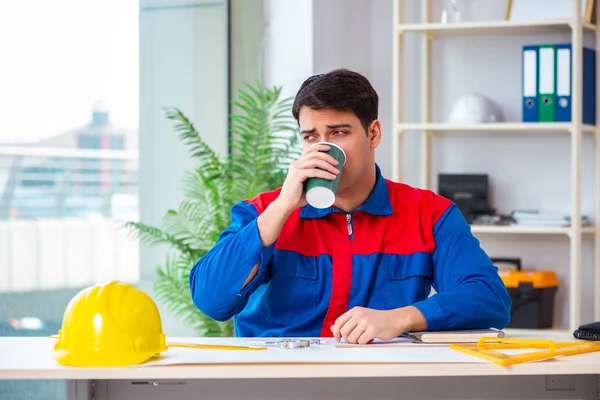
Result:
x=31 y=358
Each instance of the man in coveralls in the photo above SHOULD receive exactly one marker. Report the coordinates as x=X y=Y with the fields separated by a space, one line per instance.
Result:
x=360 y=270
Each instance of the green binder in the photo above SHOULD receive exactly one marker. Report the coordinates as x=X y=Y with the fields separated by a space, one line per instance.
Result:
x=547 y=83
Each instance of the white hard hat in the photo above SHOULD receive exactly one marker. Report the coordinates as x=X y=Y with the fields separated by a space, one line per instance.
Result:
x=475 y=108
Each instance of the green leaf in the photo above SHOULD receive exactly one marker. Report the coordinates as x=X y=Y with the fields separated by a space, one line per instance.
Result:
x=152 y=236
x=172 y=289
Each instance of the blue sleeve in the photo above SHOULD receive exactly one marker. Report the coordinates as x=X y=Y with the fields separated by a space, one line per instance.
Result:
x=217 y=278
x=470 y=293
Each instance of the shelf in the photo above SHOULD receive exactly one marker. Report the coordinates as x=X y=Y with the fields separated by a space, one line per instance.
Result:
x=573 y=29
x=492 y=27
x=501 y=127
x=529 y=230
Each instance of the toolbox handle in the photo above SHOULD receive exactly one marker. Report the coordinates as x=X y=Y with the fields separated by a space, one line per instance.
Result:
x=509 y=260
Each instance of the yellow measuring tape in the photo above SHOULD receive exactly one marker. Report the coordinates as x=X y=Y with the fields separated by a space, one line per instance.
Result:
x=486 y=349
x=205 y=346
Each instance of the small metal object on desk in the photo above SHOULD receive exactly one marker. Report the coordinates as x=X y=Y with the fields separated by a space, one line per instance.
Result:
x=294 y=343
x=289 y=343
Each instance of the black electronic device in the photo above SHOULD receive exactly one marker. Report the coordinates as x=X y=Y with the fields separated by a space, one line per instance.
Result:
x=470 y=192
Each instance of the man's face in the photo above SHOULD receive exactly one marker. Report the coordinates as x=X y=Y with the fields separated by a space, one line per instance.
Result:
x=345 y=130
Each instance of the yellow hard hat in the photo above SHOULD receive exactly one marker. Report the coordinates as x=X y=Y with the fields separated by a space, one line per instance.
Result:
x=106 y=325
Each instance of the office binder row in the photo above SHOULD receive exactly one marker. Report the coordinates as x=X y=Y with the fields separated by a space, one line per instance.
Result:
x=546 y=84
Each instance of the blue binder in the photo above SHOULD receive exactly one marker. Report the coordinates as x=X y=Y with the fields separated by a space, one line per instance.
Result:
x=589 y=86
x=564 y=63
x=529 y=82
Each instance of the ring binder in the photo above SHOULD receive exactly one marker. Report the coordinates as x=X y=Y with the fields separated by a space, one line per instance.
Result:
x=589 y=331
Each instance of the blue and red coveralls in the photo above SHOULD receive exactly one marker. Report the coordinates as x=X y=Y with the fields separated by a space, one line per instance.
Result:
x=386 y=254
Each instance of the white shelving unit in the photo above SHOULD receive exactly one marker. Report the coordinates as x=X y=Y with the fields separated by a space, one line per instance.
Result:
x=575 y=129
x=534 y=230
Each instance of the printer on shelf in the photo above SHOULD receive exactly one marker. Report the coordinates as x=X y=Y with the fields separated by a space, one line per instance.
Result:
x=470 y=192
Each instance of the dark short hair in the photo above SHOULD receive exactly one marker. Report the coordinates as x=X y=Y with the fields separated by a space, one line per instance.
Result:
x=341 y=90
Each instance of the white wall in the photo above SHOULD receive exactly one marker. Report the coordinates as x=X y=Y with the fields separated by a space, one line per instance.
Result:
x=345 y=37
x=183 y=63
x=342 y=35
x=247 y=43
x=308 y=37
x=288 y=44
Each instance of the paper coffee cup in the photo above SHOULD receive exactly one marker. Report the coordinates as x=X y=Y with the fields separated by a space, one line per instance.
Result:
x=320 y=192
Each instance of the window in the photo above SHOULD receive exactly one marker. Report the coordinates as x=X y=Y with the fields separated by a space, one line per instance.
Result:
x=117 y=142
x=89 y=141
x=68 y=161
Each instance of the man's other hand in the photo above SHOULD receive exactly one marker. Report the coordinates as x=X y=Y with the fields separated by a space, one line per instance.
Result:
x=363 y=325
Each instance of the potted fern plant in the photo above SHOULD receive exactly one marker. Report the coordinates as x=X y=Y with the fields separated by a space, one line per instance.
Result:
x=263 y=141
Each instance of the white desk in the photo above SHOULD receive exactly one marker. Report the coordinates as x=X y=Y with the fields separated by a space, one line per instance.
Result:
x=326 y=372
